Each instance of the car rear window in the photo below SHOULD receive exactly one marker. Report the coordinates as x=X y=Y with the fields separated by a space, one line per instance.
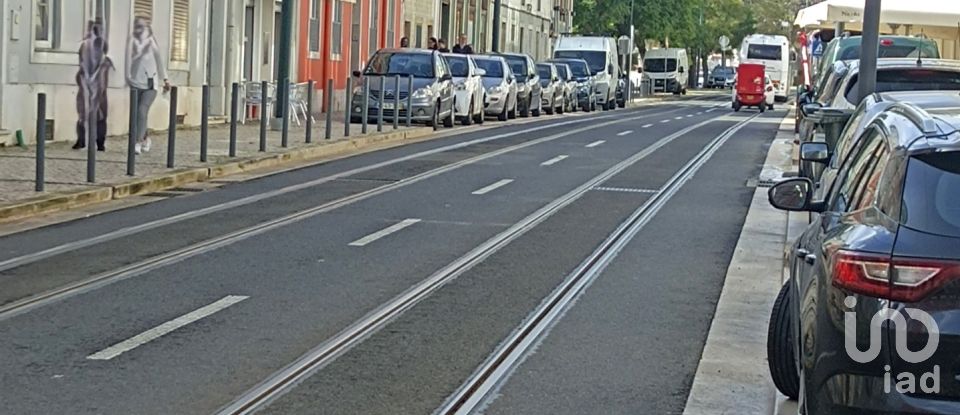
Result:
x=492 y=67
x=931 y=194
x=904 y=79
x=765 y=52
x=458 y=66
x=894 y=50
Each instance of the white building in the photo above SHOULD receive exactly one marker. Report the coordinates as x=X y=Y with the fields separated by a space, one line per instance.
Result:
x=215 y=42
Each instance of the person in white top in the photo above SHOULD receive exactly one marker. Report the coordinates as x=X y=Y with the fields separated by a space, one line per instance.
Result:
x=145 y=66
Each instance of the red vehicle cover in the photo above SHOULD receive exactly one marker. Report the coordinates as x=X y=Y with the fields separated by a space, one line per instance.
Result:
x=750 y=83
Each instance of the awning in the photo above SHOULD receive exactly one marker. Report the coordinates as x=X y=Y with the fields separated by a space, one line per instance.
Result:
x=942 y=13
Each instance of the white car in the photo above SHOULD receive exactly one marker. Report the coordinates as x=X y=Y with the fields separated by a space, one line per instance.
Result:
x=501 y=85
x=468 y=88
x=553 y=88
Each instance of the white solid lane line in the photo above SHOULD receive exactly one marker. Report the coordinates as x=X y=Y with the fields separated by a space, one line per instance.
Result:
x=711 y=110
x=664 y=121
x=623 y=133
x=679 y=117
x=689 y=115
x=647 y=125
x=366 y=240
x=493 y=187
x=554 y=160
x=165 y=328
x=595 y=143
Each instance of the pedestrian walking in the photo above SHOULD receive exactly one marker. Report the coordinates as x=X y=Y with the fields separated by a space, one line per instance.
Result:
x=145 y=66
x=462 y=46
x=92 y=79
x=442 y=46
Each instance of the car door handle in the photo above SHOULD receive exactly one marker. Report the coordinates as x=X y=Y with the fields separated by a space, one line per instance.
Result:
x=810 y=259
x=802 y=253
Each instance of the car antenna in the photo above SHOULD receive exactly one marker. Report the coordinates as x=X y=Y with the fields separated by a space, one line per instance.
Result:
x=919 y=56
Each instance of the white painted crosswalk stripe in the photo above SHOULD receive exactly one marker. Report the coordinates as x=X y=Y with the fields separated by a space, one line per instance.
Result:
x=492 y=187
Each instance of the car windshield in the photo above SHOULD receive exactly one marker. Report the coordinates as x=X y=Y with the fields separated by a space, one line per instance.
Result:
x=931 y=194
x=894 y=50
x=657 y=65
x=518 y=65
x=459 y=67
x=544 y=72
x=765 y=52
x=492 y=67
x=579 y=69
x=562 y=71
x=597 y=60
x=420 y=65
x=908 y=79
x=723 y=71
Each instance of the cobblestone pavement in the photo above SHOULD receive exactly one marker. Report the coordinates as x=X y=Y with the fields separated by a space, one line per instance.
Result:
x=66 y=168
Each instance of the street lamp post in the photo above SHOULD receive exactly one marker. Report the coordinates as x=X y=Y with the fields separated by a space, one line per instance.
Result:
x=495 y=33
x=870 y=49
x=629 y=83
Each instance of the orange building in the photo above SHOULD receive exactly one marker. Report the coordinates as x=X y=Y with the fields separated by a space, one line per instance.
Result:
x=338 y=36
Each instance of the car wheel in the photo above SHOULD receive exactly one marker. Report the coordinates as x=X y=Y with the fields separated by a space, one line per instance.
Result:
x=562 y=107
x=468 y=120
x=448 y=122
x=763 y=107
x=526 y=108
x=737 y=106
x=780 y=352
x=536 y=112
x=481 y=114
x=513 y=113
x=549 y=110
x=504 y=115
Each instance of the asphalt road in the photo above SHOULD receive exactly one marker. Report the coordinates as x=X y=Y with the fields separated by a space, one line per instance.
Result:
x=244 y=298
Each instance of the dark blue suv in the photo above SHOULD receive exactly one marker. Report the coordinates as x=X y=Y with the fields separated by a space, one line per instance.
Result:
x=869 y=321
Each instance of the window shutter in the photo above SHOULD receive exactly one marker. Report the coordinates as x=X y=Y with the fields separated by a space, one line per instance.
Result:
x=143 y=8
x=181 y=23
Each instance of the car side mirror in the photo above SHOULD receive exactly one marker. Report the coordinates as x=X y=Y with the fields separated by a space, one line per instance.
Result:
x=680 y=69
x=794 y=195
x=446 y=77
x=811 y=108
x=555 y=79
x=815 y=152
x=356 y=74
x=481 y=72
x=510 y=79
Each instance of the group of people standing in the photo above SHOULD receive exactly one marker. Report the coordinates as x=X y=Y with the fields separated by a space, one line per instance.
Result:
x=144 y=72
x=440 y=45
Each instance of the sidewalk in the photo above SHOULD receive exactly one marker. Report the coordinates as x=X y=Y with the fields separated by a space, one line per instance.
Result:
x=66 y=184
x=733 y=375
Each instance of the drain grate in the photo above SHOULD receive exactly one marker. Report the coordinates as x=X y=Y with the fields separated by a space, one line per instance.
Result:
x=185 y=190
x=764 y=183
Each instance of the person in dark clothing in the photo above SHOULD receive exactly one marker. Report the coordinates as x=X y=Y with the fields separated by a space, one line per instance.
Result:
x=432 y=43
x=92 y=79
x=442 y=46
x=404 y=42
x=462 y=46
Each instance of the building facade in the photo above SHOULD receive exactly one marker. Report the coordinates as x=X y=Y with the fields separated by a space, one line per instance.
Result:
x=420 y=21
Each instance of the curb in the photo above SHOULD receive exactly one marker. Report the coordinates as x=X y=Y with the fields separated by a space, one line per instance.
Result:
x=733 y=375
x=55 y=202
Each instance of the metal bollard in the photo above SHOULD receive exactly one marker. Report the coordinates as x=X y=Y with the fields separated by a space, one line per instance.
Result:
x=396 y=101
x=309 y=121
x=329 y=94
x=204 y=121
x=172 y=129
x=380 y=106
x=346 y=122
x=264 y=117
x=365 y=107
x=409 y=99
x=285 y=122
x=132 y=136
x=41 y=140
x=234 y=93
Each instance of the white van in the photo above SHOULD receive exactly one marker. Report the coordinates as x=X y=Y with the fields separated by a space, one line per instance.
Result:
x=667 y=70
x=773 y=52
x=601 y=55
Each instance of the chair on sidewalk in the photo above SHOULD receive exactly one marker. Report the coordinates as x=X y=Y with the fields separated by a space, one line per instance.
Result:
x=255 y=97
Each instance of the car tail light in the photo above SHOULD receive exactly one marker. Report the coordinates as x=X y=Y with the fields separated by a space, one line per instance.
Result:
x=899 y=279
x=886 y=42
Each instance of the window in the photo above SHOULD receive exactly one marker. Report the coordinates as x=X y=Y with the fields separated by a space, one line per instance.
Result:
x=419 y=42
x=374 y=14
x=100 y=11
x=337 y=29
x=908 y=79
x=391 y=30
x=143 y=8
x=765 y=52
x=180 y=29
x=931 y=195
x=866 y=193
x=314 y=28
x=46 y=23
x=854 y=170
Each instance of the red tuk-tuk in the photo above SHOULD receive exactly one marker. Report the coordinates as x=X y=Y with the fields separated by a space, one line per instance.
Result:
x=749 y=89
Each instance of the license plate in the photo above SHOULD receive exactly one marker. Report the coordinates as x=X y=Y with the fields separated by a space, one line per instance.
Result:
x=388 y=105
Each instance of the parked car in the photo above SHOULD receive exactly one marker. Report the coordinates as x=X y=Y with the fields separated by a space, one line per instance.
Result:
x=886 y=247
x=569 y=86
x=529 y=91
x=468 y=88
x=722 y=77
x=501 y=86
x=600 y=53
x=847 y=48
x=586 y=98
x=432 y=100
x=552 y=87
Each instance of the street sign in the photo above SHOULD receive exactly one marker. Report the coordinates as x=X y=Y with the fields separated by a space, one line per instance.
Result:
x=724 y=41
x=816 y=47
